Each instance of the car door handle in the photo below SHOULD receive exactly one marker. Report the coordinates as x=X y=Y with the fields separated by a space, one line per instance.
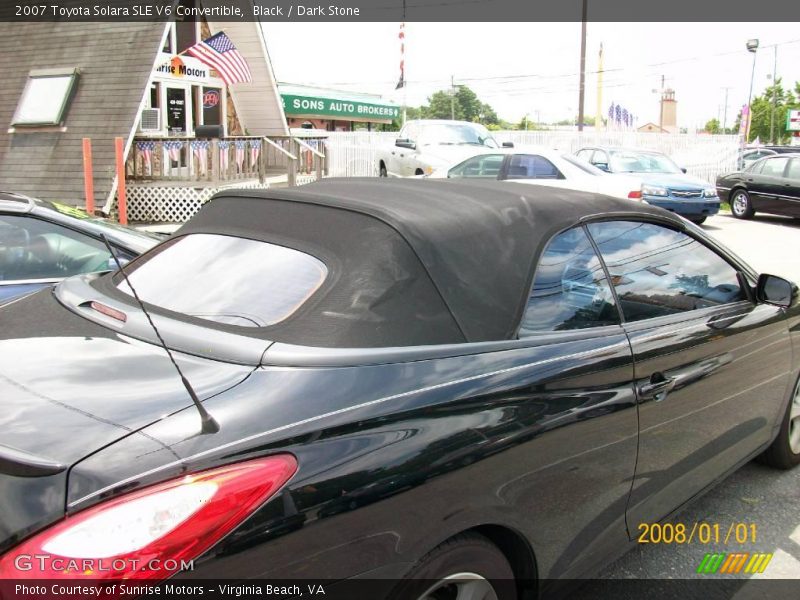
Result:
x=657 y=388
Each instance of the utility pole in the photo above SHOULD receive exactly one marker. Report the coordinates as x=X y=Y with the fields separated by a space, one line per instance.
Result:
x=774 y=97
x=452 y=99
x=583 y=68
x=598 y=118
x=725 y=112
x=661 y=109
x=752 y=46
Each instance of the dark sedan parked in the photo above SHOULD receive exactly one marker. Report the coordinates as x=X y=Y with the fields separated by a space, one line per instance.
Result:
x=770 y=185
x=405 y=380
x=43 y=242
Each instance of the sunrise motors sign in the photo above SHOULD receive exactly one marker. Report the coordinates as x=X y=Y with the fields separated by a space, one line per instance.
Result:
x=183 y=68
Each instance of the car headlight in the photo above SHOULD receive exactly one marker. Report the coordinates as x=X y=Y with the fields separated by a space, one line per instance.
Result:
x=710 y=193
x=653 y=190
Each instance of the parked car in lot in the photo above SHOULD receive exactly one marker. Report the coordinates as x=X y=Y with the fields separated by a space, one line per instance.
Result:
x=43 y=242
x=770 y=185
x=422 y=146
x=444 y=385
x=541 y=166
x=750 y=155
x=664 y=183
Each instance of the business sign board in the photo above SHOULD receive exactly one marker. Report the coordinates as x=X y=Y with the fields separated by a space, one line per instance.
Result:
x=344 y=109
x=793 y=120
x=183 y=68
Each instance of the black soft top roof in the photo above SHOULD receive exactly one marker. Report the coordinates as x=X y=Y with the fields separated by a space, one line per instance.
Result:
x=454 y=259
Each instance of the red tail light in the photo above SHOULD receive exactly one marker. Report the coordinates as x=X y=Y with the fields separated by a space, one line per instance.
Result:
x=635 y=195
x=147 y=534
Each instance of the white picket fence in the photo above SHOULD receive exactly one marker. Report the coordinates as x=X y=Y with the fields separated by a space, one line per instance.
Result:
x=353 y=154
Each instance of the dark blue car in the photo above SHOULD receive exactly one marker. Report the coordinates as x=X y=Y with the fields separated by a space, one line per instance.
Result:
x=664 y=184
x=42 y=242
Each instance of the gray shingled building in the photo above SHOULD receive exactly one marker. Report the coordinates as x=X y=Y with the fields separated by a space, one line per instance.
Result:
x=118 y=74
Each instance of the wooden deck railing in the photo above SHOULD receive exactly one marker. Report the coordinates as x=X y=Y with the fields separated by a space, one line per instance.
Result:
x=226 y=160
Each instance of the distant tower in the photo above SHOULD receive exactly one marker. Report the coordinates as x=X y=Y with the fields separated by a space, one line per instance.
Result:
x=598 y=119
x=669 y=111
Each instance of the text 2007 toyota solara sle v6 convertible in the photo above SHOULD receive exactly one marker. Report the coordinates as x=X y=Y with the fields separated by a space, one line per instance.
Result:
x=399 y=380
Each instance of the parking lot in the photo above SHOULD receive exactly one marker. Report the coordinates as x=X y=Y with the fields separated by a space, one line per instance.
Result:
x=756 y=494
x=768 y=243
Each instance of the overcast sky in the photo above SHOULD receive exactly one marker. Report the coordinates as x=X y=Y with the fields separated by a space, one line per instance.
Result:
x=521 y=68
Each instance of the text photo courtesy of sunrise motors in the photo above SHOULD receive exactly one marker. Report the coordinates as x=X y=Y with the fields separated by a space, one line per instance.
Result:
x=399 y=300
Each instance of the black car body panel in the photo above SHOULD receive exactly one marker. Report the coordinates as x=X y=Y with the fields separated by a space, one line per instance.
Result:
x=71 y=408
x=400 y=448
x=422 y=434
x=774 y=193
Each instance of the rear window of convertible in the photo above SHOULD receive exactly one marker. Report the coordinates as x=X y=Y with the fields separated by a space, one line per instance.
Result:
x=226 y=279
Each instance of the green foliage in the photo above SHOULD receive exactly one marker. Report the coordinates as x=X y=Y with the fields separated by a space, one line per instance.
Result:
x=464 y=105
x=784 y=100
x=713 y=126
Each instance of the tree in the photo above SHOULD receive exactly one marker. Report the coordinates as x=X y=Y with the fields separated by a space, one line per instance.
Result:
x=761 y=105
x=471 y=107
x=464 y=105
x=712 y=126
x=441 y=105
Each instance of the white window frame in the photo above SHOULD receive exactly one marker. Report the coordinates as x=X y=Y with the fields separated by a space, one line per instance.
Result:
x=36 y=74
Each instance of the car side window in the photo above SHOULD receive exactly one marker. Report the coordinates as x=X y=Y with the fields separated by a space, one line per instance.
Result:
x=658 y=271
x=570 y=289
x=584 y=154
x=532 y=166
x=774 y=167
x=755 y=168
x=485 y=166
x=31 y=248
x=600 y=159
x=794 y=169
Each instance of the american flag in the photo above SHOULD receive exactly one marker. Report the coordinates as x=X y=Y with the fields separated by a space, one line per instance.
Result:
x=146 y=148
x=223 y=155
x=219 y=53
x=174 y=150
x=240 y=147
x=200 y=150
x=255 y=150
x=402 y=82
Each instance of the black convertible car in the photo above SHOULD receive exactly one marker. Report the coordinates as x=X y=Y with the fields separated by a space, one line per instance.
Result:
x=462 y=389
x=770 y=185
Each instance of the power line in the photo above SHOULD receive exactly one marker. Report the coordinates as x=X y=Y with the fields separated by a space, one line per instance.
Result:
x=570 y=74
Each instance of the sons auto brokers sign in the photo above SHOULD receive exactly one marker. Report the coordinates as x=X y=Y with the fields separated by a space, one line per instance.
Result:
x=333 y=107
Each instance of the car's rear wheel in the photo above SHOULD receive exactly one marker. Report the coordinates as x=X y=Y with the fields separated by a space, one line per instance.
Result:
x=466 y=567
x=698 y=220
x=741 y=207
x=784 y=453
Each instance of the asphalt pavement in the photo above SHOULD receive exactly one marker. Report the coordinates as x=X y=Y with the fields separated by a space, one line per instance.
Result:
x=756 y=494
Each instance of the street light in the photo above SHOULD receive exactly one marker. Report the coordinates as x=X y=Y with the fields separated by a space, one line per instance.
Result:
x=752 y=46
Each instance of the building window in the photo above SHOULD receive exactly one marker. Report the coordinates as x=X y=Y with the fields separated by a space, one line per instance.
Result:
x=45 y=98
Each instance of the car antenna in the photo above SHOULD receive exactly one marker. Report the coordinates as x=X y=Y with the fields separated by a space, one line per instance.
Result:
x=209 y=424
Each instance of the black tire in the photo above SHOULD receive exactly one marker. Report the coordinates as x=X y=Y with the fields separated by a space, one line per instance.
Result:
x=466 y=554
x=382 y=171
x=741 y=206
x=784 y=453
x=698 y=220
